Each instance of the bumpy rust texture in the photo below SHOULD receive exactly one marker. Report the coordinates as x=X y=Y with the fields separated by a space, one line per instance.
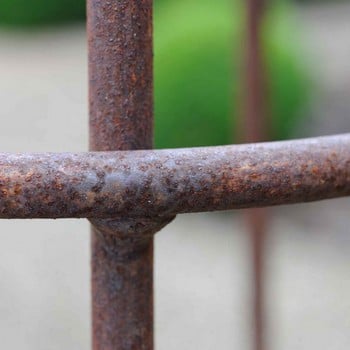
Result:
x=121 y=112
x=122 y=294
x=120 y=74
x=161 y=183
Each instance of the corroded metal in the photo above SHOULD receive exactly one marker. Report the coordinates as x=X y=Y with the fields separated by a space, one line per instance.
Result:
x=158 y=184
x=130 y=195
x=121 y=118
x=120 y=74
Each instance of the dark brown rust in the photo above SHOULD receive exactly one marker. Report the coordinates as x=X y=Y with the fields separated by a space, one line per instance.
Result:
x=159 y=184
x=120 y=74
x=121 y=112
x=122 y=294
x=130 y=195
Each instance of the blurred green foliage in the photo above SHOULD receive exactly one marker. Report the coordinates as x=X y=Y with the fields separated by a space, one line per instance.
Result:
x=40 y=12
x=199 y=47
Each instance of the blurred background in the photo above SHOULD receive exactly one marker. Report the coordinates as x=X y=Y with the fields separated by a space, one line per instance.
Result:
x=203 y=273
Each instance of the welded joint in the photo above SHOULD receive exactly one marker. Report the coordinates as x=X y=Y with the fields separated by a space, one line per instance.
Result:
x=129 y=232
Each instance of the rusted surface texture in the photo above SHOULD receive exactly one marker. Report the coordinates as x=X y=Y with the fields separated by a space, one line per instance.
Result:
x=121 y=118
x=122 y=294
x=161 y=183
x=120 y=74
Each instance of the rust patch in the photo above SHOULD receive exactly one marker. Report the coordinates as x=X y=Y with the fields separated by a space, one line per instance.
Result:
x=121 y=118
x=159 y=184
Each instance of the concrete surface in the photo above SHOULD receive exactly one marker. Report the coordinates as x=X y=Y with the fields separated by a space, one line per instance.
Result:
x=202 y=261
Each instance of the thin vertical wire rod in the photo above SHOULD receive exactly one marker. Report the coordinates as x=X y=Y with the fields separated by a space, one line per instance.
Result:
x=255 y=128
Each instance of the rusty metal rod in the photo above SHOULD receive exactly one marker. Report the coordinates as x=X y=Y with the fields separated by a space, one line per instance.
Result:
x=255 y=123
x=121 y=118
x=256 y=130
x=162 y=183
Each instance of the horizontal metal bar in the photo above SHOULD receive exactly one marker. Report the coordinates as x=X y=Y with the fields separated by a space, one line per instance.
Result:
x=167 y=182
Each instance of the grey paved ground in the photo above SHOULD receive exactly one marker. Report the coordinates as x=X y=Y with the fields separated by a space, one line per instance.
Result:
x=202 y=261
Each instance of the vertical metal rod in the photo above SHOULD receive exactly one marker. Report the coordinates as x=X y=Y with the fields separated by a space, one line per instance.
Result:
x=121 y=118
x=255 y=117
x=255 y=127
x=257 y=223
